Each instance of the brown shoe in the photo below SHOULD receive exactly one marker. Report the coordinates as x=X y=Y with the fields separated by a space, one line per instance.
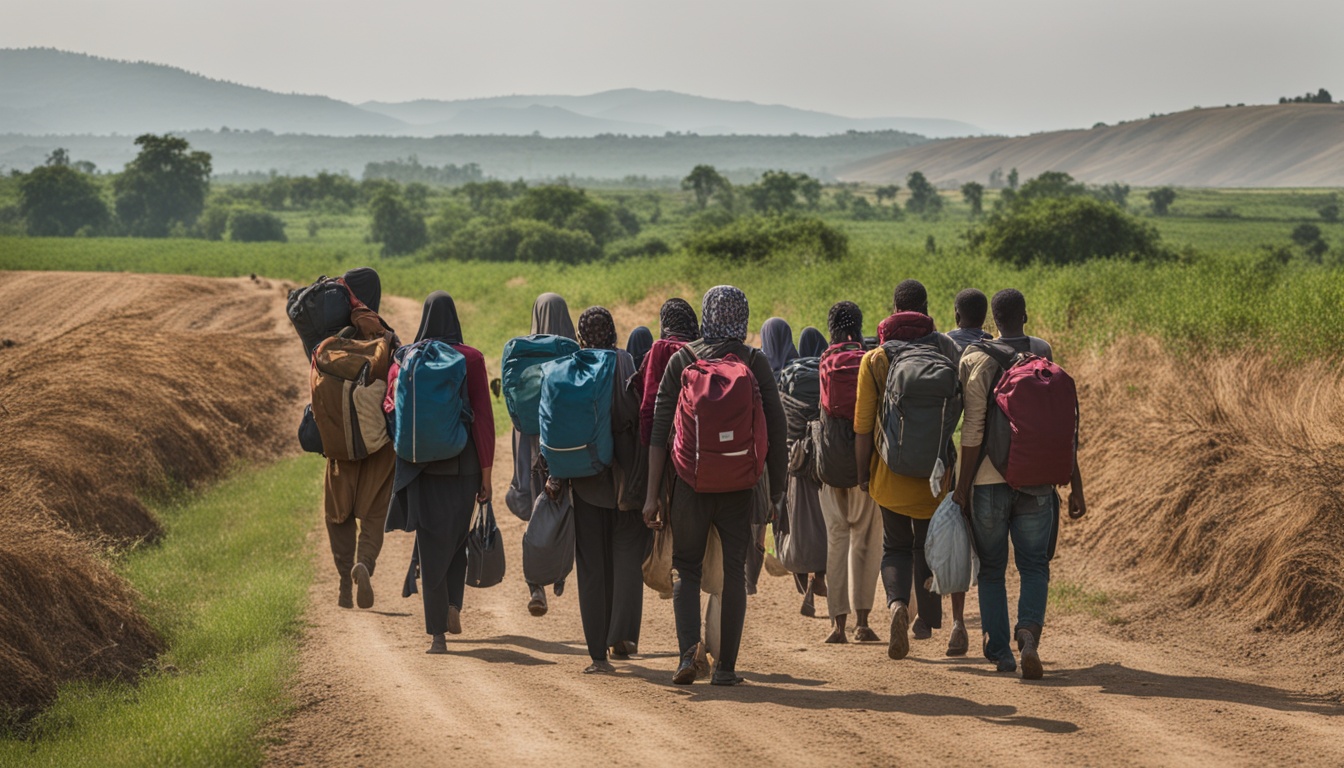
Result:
x=921 y=629
x=1031 y=658
x=364 y=593
x=454 y=620
x=866 y=635
x=898 y=647
x=537 y=605
x=958 y=643
x=439 y=645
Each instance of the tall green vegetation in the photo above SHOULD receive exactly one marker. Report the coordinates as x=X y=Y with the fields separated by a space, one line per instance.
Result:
x=706 y=183
x=396 y=225
x=924 y=198
x=758 y=239
x=58 y=200
x=1065 y=230
x=1161 y=199
x=973 y=192
x=163 y=187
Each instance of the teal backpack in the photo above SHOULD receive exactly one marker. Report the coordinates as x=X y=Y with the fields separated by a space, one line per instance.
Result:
x=521 y=375
x=432 y=409
x=575 y=413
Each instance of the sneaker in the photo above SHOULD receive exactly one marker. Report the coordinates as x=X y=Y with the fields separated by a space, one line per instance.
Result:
x=1031 y=659
x=685 y=674
x=898 y=647
x=364 y=594
x=959 y=642
x=346 y=599
x=921 y=629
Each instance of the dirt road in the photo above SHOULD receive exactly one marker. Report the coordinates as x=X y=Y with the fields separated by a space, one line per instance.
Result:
x=510 y=692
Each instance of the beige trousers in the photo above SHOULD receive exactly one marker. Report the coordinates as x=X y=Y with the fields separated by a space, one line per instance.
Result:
x=853 y=548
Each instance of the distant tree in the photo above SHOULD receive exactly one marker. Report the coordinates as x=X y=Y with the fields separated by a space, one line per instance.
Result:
x=924 y=197
x=1306 y=234
x=810 y=189
x=776 y=192
x=56 y=200
x=1066 y=230
x=165 y=185
x=930 y=245
x=252 y=226
x=996 y=178
x=862 y=210
x=417 y=195
x=567 y=208
x=1320 y=97
x=628 y=220
x=1330 y=211
x=213 y=222
x=1012 y=179
x=481 y=194
x=1050 y=184
x=973 y=192
x=887 y=192
x=843 y=198
x=1115 y=192
x=1161 y=200
x=400 y=229
x=706 y=182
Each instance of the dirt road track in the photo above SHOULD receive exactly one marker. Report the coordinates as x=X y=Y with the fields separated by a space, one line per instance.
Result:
x=510 y=693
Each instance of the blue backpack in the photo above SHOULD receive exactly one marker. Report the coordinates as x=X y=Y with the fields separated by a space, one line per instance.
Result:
x=432 y=409
x=521 y=375
x=575 y=413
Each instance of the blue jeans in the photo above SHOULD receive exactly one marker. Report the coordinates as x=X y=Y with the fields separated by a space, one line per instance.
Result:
x=997 y=513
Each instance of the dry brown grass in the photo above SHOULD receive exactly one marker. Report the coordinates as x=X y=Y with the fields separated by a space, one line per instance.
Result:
x=155 y=384
x=1217 y=483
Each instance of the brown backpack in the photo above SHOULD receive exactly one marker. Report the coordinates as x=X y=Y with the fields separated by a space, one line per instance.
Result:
x=349 y=380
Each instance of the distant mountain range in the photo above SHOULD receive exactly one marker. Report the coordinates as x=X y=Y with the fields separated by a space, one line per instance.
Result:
x=45 y=91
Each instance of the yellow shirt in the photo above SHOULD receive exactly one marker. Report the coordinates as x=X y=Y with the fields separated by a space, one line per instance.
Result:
x=909 y=496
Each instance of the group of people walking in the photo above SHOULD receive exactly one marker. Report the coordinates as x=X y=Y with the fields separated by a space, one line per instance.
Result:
x=707 y=446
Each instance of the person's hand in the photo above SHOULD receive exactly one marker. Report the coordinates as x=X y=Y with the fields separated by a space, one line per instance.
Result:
x=484 y=493
x=1077 y=504
x=651 y=517
x=961 y=496
x=553 y=488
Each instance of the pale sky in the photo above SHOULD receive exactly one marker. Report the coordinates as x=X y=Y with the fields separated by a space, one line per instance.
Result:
x=1007 y=66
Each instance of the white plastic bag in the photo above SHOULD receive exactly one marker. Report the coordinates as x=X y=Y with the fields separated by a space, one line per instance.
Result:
x=947 y=548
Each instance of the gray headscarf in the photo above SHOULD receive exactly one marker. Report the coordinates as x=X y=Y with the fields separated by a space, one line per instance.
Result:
x=724 y=314
x=551 y=315
x=777 y=343
x=811 y=343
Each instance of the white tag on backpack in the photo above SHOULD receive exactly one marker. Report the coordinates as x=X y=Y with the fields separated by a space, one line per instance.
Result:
x=936 y=479
x=725 y=437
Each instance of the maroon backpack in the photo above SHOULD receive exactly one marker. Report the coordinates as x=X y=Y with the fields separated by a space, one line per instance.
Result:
x=840 y=378
x=721 y=438
x=1031 y=425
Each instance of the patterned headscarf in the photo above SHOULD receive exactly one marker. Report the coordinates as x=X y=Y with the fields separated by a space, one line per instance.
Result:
x=596 y=329
x=725 y=313
x=845 y=322
x=677 y=321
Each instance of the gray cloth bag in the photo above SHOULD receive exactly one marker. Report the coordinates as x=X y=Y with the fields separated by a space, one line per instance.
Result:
x=548 y=543
x=800 y=531
x=519 y=498
x=948 y=550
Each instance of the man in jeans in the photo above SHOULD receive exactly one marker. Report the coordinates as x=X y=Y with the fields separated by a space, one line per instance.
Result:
x=1000 y=512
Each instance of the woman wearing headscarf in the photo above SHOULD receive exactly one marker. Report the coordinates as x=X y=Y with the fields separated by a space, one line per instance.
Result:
x=853 y=521
x=811 y=343
x=638 y=344
x=610 y=541
x=355 y=493
x=437 y=500
x=677 y=326
x=724 y=314
x=803 y=495
x=550 y=315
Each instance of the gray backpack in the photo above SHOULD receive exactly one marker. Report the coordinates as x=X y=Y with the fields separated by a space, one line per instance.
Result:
x=835 y=461
x=920 y=408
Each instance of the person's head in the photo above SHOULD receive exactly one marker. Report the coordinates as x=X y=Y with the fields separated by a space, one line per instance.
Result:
x=811 y=343
x=638 y=343
x=677 y=320
x=1010 y=312
x=438 y=319
x=971 y=306
x=910 y=296
x=724 y=313
x=365 y=284
x=777 y=342
x=550 y=314
x=845 y=322
x=596 y=329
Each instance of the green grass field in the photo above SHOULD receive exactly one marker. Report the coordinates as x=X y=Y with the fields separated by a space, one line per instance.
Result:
x=226 y=587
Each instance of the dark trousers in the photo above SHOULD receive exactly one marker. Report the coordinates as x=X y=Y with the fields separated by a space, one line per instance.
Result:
x=441 y=542
x=609 y=547
x=904 y=566
x=691 y=516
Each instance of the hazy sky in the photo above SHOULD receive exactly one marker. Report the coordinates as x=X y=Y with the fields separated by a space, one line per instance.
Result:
x=1007 y=66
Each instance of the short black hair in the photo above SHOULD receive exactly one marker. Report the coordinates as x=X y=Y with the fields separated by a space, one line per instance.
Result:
x=972 y=306
x=1010 y=308
x=911 y=296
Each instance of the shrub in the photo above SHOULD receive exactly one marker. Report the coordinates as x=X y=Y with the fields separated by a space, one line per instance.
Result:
x=641 y=248
x=519 y=240
x=395 y=225
x=256 y=226
x=1066 y=231
x=760 y=238
x=213 y=223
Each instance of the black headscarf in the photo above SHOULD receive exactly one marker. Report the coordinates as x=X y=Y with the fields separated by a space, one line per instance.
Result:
x=777 y=343
x=639 y=343
x=811 y=343
x=677 y=320
x=439 y=320
x=550 y=314
x=597 y=330
x=364 y=283
x=845 y=322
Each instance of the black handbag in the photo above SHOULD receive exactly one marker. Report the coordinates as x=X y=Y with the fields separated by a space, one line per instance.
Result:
x=485 y=549
x=309 y=437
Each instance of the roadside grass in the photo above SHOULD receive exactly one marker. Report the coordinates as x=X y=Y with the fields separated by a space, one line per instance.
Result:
x=226 y=587
x=1071 y=598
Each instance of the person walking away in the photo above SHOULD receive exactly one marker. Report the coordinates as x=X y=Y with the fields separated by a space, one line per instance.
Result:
x=811 y=343
x=610 y=541
x=436 y=499
x=355 y=493
x=638 y=344
x=906 y=501
x=550 y=315
x=853 y=518
x=716 y=492
x=970 y=307
x=777 y=345
x=1026 y=513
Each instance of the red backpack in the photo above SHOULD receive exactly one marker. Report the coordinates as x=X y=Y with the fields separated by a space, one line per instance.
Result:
x=1031 y=433
x=721 y=438
x=840 y=378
